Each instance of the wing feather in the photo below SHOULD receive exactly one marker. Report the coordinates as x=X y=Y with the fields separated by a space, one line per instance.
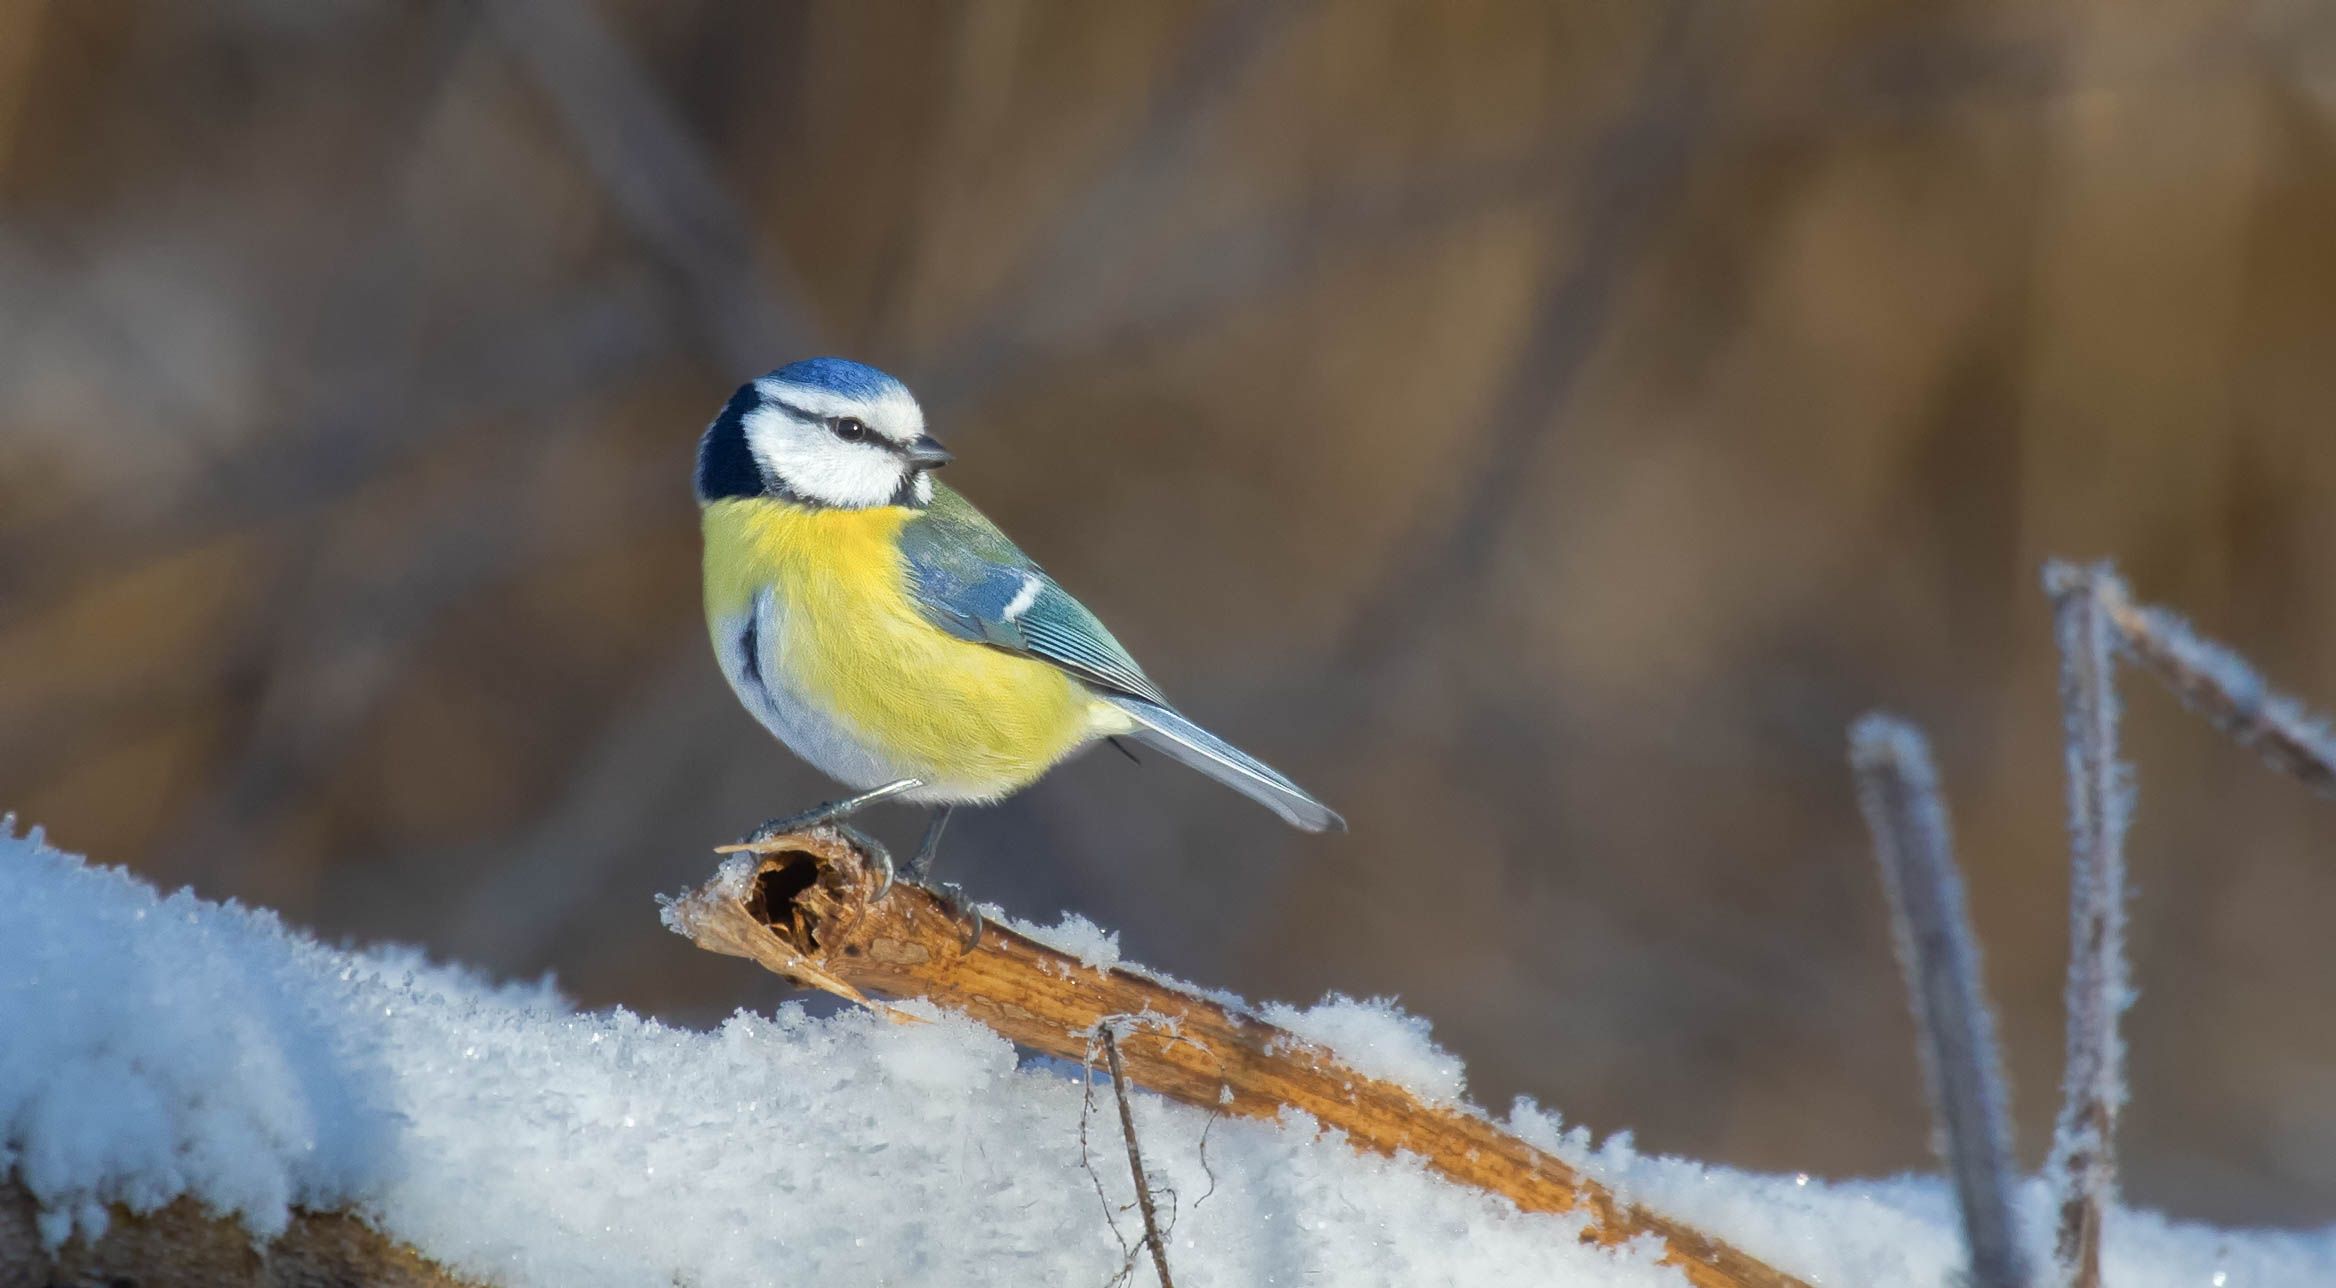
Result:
x=971 y=581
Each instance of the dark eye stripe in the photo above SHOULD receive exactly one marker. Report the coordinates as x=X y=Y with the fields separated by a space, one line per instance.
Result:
x=862 y=431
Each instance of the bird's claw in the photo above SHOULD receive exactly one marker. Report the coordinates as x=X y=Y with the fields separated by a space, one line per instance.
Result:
x=875 y=850
x=962 y=909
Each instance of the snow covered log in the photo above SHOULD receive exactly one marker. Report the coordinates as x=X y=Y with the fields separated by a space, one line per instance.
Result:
x=165 y=1054
x=804 y=906
x=181 y=1244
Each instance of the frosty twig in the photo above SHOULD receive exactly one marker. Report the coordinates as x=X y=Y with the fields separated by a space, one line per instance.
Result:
x=2084 y=1161
x=1135 y=1159
x=2095 y=618
x=1899 y=793
x=802 y=906
x=2212 y=680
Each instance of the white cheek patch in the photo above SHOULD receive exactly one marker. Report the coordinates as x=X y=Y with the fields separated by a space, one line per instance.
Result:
x=820 y=467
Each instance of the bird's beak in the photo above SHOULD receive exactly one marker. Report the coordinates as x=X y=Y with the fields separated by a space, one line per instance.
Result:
x=927 y=453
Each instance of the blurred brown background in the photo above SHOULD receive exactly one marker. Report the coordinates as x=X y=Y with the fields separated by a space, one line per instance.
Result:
x=1538 y=428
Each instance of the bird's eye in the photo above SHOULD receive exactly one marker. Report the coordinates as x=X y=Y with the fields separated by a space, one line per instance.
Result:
x=851 y=429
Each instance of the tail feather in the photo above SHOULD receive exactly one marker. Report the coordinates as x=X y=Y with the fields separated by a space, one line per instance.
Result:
x=1158 y=726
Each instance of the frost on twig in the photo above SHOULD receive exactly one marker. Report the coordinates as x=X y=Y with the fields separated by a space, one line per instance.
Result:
x=2211 y=680
x=1135 y=1160
x=1106 y=1040
x=1899 y=794
x=2084 y=1161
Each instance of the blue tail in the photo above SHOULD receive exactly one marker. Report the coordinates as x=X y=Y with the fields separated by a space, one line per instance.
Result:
x=1160 y=727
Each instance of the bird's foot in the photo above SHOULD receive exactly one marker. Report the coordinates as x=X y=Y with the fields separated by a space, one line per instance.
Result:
x=830 y=812
x=878 y=857
x=920 y=865
x=963 y=910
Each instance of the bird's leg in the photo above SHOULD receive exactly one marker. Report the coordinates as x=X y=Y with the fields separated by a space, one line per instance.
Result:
x=830 y=812
x=921 y=867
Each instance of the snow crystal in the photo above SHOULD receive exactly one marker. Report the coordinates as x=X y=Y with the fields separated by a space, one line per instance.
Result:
x=1376 y=1039
x=153 y=1047
x=1073 y=936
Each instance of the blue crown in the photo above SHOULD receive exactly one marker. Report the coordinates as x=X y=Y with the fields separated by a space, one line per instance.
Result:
x=839 y=376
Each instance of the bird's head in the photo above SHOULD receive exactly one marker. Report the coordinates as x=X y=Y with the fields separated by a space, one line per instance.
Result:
x=823 y=432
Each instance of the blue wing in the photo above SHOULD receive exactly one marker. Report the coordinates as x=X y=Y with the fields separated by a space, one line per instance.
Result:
x=972 y=582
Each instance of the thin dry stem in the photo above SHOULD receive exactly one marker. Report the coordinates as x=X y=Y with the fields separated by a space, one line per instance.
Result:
x=2084 y=1160
x=2216 y=683
x=1129 y=1253
x=1899 y=794
x=1135 y=1160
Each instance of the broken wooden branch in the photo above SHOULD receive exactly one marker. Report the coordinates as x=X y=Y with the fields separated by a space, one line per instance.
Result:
x=803 y=907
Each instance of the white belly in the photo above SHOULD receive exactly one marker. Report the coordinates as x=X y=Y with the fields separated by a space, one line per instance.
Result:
x=748 y=645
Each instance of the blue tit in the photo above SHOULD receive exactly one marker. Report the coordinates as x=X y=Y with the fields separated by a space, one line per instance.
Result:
x=891 y=635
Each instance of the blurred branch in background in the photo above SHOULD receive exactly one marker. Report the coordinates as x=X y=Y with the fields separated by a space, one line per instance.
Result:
x=1898 y=790
x=745 y=306
x=1076 y=245
x=346 y=416
x=537 y=880
x=325 y=649
x=1624 y=187
x=20 y=45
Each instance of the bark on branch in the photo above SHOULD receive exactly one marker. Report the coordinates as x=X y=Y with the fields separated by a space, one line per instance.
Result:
x=800 y=906
x=184 y=1246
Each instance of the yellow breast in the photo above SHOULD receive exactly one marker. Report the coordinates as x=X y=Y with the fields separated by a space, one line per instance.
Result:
x=968 y=719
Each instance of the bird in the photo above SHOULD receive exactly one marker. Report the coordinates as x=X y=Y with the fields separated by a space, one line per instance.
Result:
x=891 y=635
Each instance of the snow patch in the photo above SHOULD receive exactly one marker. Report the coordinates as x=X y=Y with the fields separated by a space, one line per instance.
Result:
x=1073 y=936
x=1378 y=1039
x=157 y=1046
